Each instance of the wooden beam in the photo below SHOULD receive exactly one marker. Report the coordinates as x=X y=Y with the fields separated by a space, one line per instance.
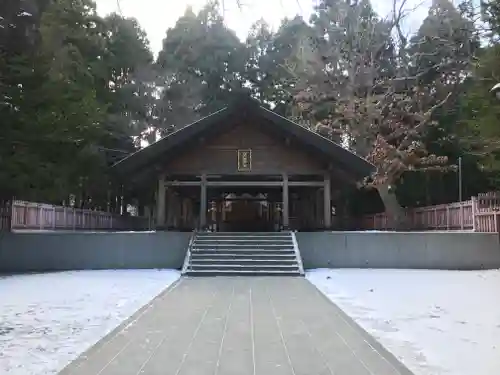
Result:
x=246 y=183
x=183 y=183
x=307 y=183
x=160 y=210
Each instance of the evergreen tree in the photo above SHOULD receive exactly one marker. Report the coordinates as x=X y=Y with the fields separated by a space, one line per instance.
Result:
x=201 y=62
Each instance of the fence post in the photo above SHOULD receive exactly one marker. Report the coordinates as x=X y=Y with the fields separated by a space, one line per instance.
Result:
x=448 y=217
x=461 y=216
x=474 y=208
x=40 y=217
x=25 y=218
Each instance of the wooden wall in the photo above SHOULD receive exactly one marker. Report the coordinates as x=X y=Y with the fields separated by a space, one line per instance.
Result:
x=270 y=155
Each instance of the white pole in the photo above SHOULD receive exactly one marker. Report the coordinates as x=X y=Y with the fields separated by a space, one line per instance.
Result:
x=460 y=179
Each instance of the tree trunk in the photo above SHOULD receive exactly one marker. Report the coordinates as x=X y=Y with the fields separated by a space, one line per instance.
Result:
x=395 y=213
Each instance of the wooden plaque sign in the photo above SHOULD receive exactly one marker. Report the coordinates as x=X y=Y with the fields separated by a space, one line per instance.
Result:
x=244 y=160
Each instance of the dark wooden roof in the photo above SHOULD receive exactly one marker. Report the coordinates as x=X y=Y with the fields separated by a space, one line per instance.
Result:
x=340 y=157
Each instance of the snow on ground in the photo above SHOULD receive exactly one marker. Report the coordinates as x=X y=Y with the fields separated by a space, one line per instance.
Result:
x=47 y=320
x=435 y=322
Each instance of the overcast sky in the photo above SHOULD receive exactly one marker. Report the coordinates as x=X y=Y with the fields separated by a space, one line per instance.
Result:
x=156 y=16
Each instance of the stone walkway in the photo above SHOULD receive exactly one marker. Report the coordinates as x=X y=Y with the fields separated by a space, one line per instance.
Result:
x=238 y=326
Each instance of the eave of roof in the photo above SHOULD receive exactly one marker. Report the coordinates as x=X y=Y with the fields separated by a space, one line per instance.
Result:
x=347 y=159
x=162 y=145
x=350 y=160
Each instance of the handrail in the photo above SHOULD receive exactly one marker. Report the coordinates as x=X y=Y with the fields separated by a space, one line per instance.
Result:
x=297 y=253
x=187 y=258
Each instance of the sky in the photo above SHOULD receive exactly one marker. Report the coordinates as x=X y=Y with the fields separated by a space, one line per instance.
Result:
x=156 y=16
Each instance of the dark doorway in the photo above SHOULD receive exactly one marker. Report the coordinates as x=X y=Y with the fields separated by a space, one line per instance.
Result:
x=236 y=211
x=246 y=215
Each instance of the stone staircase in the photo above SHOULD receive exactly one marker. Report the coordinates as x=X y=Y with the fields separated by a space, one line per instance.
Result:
x=245 y=254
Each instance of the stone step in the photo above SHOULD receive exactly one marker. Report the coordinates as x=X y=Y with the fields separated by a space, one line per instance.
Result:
x=252 y=267
x=243 y=238
x=249 y=240
x=250 y=245
x=248 y=261
x=243 y=246
x=216 y=254
x=201 y=273
x=243 y=234
x=243 y=251
x=243 y=255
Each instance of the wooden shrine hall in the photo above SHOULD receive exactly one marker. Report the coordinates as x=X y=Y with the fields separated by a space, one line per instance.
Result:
x=243 y=168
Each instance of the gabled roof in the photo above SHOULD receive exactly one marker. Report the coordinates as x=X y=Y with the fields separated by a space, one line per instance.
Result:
x=345 y=159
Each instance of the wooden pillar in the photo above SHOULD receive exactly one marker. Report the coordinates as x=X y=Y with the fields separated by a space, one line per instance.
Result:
x=306 y=210
x=317 y=209
x=327 y=202
x=203 y=202
x=183 y=212
x=312 y=208
x=312 y=200
x=108 y=203
x=286 y=217
x=218 y=215
x=160 y=202
x=191 y=214
x=176 y=210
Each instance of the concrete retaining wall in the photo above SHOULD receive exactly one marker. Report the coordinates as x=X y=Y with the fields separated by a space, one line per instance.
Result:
x=420 y=250
x=55 y=251
x=33 y=252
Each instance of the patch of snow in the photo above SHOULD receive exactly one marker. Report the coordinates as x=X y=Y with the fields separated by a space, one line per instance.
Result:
x=25 y=14
x=48 y=320
x=399 y=232
x=435 y=322
x=78 y=231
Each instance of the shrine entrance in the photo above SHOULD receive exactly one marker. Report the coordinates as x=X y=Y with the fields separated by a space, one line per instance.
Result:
x=244 y=212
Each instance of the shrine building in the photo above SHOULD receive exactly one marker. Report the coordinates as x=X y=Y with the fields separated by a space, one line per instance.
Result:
x=244 y=168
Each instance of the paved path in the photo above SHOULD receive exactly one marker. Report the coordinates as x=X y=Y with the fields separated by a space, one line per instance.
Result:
x=238 y=326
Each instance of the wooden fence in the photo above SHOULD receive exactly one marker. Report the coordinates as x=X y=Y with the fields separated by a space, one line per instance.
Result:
x=479 y=214
x=5 y=216
x=35 y=216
